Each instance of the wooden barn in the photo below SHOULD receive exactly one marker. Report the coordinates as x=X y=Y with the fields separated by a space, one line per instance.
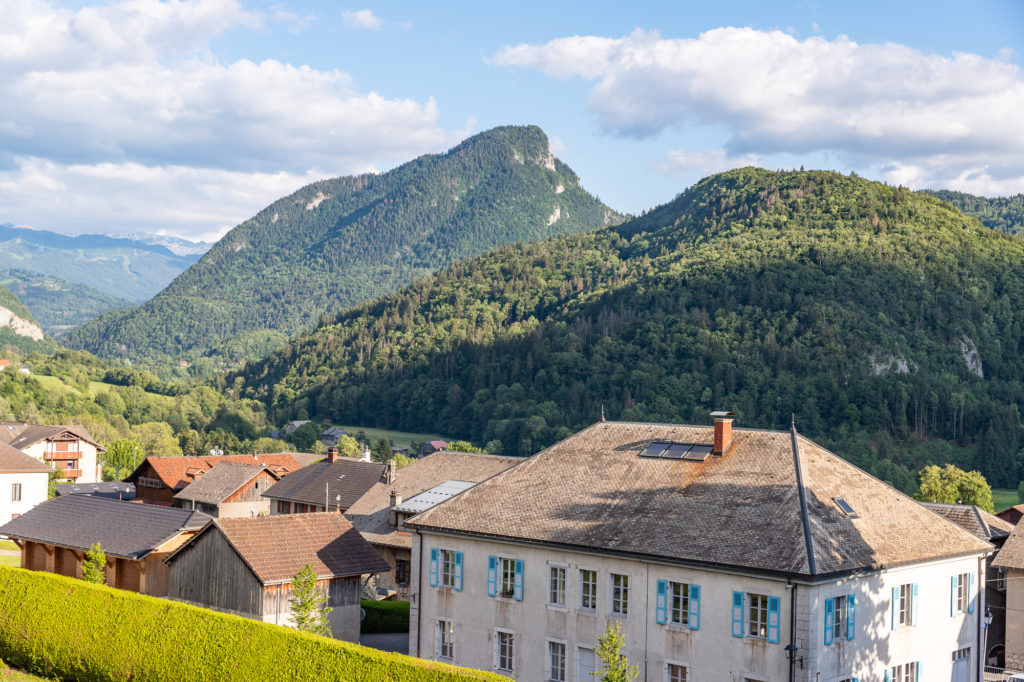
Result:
x=229 y=490
x=245 y=566
x=135 y=537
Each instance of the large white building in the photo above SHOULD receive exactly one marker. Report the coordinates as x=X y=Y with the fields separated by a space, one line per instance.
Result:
x=733 y=556
x=68 y=449
x=24 y=483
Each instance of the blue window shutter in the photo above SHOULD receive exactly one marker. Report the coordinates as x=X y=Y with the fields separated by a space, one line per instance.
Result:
x=518 y=591
x=695 y=607
x=888 y=675
x=773 y=619
x=855 y=679
x=895 y=608
x=458 y=571
x=433 y=566
x=954 y=583
x=917 y=672
x=830 y=606
x=913 y=607
x=492 y=576
x=660 y=606
x=851 y=616
x=737 y=614
x=970 y=595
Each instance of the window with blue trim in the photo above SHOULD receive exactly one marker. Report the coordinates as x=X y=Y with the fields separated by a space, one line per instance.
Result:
x=505 y=577
x=445 y=568
x=678 y=604
x=839 y=618
x=756 y=615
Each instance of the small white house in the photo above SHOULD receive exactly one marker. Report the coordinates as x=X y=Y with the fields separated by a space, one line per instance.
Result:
x=746 y=556
x=24 y=482
x=68 y=449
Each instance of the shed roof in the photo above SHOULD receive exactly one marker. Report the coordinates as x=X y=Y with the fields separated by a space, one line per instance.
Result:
x=123 y=529
x=222 y=481
x=370 y=513
x=277 y=547
x=341 y=483
x=973 y=519
x=767 y=506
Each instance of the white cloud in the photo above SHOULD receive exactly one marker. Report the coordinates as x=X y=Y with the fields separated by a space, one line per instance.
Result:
x=703 y=162
x=133 y=85
x=362 y=18
x=879 y=105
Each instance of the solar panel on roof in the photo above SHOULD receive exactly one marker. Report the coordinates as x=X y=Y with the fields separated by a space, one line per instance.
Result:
x=697 y=455
x=676 y=451
x=654 y=449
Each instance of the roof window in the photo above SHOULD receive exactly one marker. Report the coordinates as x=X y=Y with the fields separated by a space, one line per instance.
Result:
x=693 y=452
x=845 y=507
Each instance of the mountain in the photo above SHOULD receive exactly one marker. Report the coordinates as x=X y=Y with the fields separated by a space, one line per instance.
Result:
x=885 y=322
x=17 y=326
x=176 y=245
x=118 y=266
x=337 y=242
x=58 y=304
x=998 y=213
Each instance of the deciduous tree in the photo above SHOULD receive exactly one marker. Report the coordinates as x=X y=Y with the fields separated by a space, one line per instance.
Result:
x=309 y=606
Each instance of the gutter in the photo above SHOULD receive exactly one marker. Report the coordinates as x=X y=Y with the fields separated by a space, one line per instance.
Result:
x=803 y=503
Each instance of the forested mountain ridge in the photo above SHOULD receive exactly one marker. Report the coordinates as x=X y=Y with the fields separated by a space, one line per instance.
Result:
x=998 y=213
x=337 y=242
x=18 y=327
x=56 y=303
x=886 y=321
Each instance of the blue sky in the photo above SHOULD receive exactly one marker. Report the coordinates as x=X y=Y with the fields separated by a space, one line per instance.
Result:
x=187 y=117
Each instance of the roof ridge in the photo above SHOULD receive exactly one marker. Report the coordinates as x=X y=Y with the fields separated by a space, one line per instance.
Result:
x=808 y=541
x=977 y=515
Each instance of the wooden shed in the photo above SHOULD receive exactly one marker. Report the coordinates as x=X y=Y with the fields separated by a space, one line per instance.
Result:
x=245 y=566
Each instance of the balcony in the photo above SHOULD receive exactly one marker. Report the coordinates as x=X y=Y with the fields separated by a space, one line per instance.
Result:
x=71 y=473
x=66 y=454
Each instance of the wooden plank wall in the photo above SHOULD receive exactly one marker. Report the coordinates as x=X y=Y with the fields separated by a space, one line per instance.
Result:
x=208 y=571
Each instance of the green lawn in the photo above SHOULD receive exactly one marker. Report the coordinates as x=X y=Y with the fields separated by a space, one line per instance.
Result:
x=396 y=438
x=12 y=675
x=1004 y=498
x=12 y=561
x=7 y=544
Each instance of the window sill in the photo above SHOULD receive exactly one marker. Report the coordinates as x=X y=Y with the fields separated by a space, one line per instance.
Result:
x=556 y=607
x=676 y=627
x=619 y=616
x=586 y=612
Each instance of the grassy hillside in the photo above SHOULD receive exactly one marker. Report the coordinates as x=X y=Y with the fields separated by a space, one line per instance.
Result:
x=342 y=241
x=59 y=305
x=24 y=332
x=886 y=322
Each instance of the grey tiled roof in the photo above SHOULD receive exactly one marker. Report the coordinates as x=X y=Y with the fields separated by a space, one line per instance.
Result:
x=124 y=529
x=21 y=435
x=739 y=511
x=974 y=520
x=114 y=490
x=220 y=482
x=347 y=479
x=14 y=460
x=370 y=513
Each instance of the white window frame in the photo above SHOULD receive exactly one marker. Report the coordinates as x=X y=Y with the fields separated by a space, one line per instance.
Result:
x=840 y=616
x=548 y=668
x=446 y=568
x=592 y=591
x=905 y=672
x=498 y=656
x=579 y=659
x=905 y=610
x=445 y=627
x=562 y=605
x=759 y=603
x=963 y=592
x=1000 y=579
x=679 y=664
x=15 y=492
x=684 y=604
x=618 y=602
x=506 y=577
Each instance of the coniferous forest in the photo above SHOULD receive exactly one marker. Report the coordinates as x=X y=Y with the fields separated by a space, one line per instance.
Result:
x=885 y=322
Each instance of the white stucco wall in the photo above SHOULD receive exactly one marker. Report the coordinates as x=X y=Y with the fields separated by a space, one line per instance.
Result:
x=710 y=653
x=33 y=492
x=88 y=464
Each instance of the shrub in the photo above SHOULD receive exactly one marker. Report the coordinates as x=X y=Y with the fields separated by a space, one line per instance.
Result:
x=385 y=616
x=69 y=629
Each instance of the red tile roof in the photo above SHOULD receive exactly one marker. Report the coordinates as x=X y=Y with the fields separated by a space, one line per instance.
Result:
x=178 y=472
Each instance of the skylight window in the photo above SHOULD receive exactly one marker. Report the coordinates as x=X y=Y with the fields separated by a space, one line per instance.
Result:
x=693 y=452
x=845 y=507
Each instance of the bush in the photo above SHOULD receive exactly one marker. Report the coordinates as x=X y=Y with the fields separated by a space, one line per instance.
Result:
x=66 y=628
x=385 y=616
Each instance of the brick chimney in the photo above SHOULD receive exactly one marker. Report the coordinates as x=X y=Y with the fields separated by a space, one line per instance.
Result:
x=389 y=471
x=396 y=500
x=723 y=432
x=332 y=454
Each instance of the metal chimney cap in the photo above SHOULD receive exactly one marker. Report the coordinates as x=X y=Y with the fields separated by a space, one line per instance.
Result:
x=723 y=415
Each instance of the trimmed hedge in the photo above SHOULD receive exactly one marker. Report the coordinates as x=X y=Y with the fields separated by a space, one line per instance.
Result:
x=385 y=616
x=65 y=628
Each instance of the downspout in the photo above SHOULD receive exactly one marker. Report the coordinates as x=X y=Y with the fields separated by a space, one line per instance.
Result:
x=647 y=599
x=980 y=613
x=419 y=597
x=792 y=630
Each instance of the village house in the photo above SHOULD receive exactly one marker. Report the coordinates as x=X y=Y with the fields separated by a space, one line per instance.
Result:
x=728 y=555
x=1010 y=560
x=430 y=447
x=994 y=530
x=1013 y=514
x=158 y=479
x=114 y=490
x=292 y=426
x=24 y=482
x=68 y=449
x=230 y=490
x=331 y=485
x=245 y=566
x=136 y=538
x=381 y=512
x=331 y=435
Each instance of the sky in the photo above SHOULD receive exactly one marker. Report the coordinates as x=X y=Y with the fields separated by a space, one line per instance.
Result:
x=187 y=117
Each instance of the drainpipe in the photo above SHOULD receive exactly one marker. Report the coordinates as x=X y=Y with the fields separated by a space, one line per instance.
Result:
x=792 y=631
x=979 y=613
x=419 y=597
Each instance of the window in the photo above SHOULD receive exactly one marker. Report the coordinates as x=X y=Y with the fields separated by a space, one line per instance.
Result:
x=284 y=507
x=556 y=661
x=757 y=617
x=620 y=594
x=508 y=577
x=556 y=585
x=15 y=492
x=679 y=605
x=839 y=618
x=586 y=664
x=588 y=589
x=904 y=604
x=505 y=577
x=402 y=571
x=505 y=651
x=445 y=639
x=675 y=673
x=904 y=673
x=1000 y=579
x=445 y=568
x=960 y=595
